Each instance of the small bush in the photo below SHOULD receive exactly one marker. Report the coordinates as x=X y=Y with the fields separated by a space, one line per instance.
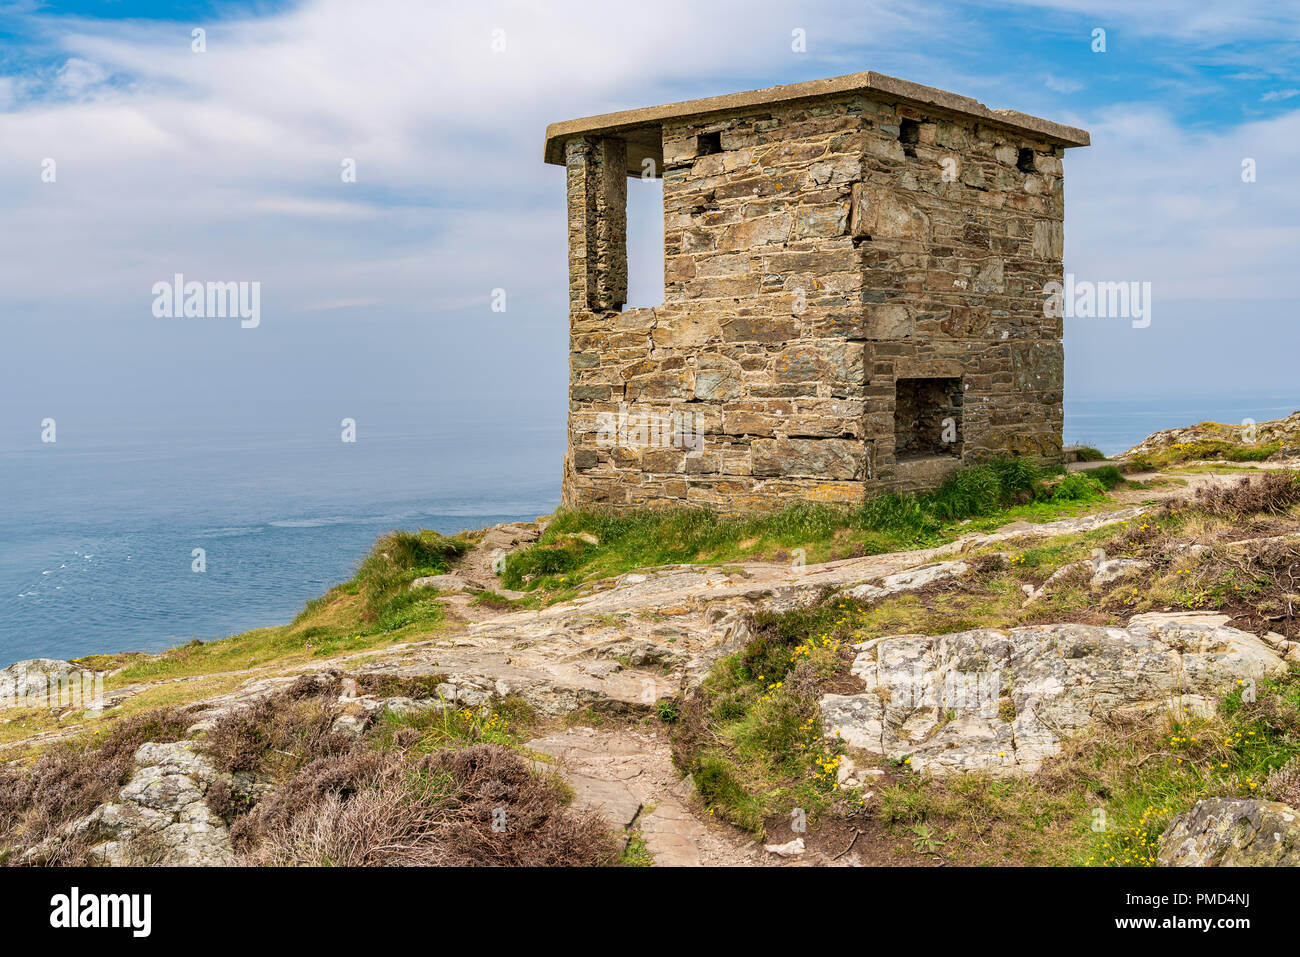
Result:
x=1076 y=487
x=1283 y=783
x=767 y=656
x=898 y=512
x=983 y=489
x=1272 y=492
x=275 y=736
x=967 y=492
x=540 y=561
x=667 y=711
x=718 y=782
x=1017 y=477
x=301 y=823
x=409 y=608
x=480 y=805
x=1108 y=475
x=1260 y=453
x=432 y=729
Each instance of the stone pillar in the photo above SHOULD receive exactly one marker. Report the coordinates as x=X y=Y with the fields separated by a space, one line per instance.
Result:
x=597 y=199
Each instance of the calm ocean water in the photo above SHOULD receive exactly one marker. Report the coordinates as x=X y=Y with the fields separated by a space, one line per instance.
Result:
x=97 y=530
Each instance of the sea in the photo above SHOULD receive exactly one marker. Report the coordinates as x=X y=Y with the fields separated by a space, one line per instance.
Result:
x=99 y=529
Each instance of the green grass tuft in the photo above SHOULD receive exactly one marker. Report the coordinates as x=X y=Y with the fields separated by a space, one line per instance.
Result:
x=565 y=556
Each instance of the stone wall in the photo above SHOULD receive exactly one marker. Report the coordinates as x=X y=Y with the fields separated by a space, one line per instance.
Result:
x=815 y=253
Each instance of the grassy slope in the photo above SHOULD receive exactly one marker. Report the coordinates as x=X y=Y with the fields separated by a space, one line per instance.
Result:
x=752 y=734
x=1201 y=450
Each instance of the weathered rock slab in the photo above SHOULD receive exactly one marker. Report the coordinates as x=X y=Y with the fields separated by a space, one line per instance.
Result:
x=1233 y=832
x=1001 y=701
x=161 y=815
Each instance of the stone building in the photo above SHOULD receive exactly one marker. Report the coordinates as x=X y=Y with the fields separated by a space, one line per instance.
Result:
x=853 y=299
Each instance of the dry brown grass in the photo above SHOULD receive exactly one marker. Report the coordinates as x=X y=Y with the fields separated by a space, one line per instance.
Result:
x=382 y=685
x=275 y=737
x=348 y=801
x=480 y=805
x=1283 y=784
x=1273 y=493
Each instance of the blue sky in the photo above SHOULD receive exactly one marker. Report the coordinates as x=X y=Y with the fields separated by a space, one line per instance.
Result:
x=225 y=165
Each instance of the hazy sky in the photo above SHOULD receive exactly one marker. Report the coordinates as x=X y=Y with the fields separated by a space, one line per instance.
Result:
x=225 y=165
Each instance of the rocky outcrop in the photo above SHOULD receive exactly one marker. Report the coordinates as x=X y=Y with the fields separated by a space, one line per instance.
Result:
x=32 y=676
x=207 y=712
x=791 y=848
x=1098 y=573
x=1284 y=433
x=161 y=816
x=1232 y=832
x=1001 y=701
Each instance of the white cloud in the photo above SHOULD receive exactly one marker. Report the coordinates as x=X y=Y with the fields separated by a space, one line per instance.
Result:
x=226 y=164
x=1150 y=200
x=77 y=76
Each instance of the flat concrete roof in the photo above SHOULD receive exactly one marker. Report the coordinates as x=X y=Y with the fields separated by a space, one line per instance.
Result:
x=641 y=127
